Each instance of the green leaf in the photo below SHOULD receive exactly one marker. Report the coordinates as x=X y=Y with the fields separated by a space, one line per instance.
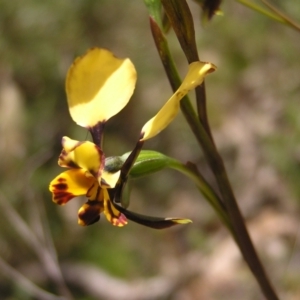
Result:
x=148 y=162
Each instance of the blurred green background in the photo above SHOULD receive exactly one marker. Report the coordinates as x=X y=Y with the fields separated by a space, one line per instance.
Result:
x=253 y=107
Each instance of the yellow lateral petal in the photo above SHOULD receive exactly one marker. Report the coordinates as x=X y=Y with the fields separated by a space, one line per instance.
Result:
x=98 y=86
x=85 y=155
x=89 y=213
x=70 y=184
x=111 y=213
x=69 y=144
x=194 y=77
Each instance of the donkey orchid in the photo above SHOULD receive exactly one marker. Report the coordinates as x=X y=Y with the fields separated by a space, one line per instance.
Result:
x=98 y=86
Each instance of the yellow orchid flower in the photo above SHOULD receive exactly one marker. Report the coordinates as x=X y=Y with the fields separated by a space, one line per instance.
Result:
x=86 y=176
x=98 y=86
x=97 y=184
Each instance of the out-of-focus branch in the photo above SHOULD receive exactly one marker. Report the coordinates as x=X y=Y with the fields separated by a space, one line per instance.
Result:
x=287 y=19
x=274 y=14
x=37 y=212
x=99 y=284
x=185 y=33
x=175 y=14
x=29 y=287
x=45 y=256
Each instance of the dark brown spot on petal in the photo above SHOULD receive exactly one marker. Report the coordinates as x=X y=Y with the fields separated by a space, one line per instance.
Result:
x=62 y=160
x=72 y=165
x=61 y=186
x=89 y=192
x=60 y=192
x=62 y=198
x=89 y=213
x=117 y=219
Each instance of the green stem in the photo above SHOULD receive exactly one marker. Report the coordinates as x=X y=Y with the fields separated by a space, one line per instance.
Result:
x=275 y=14
x=243 y=239
x=263 y=11
x=287 y=20
x=217 y=166
x=185 y=32
x=206 y=190
x=154 y=9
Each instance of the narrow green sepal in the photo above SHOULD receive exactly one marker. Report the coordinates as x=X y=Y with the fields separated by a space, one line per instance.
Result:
x=152 y=222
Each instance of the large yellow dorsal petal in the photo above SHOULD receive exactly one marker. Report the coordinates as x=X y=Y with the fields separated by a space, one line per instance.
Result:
x=194 y=77
x=111 y=213
x=98 y=86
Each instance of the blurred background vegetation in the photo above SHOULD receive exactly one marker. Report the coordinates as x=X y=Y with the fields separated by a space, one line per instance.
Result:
x=253 y=103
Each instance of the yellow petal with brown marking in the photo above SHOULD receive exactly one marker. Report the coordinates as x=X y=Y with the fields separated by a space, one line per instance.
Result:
x=85 y=155
x=89 y=213
x=114 y=216
x=70 y=184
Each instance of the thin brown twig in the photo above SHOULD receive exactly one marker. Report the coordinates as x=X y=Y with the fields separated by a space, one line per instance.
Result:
x=99 y=284
x=173 y=10
x=23 y=187
x=185 y=32
x=37 y=207
x=287 y=19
